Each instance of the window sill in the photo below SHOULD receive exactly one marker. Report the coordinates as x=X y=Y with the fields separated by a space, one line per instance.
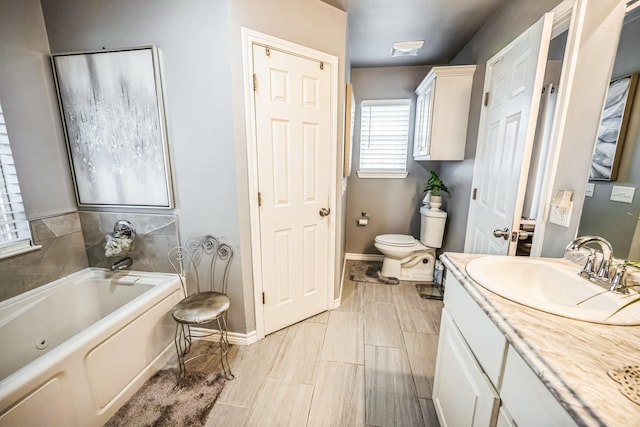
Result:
x=19 y=251
x=385 y=175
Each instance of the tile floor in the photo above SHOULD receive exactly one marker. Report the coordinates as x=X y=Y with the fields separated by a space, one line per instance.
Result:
x=368 y=363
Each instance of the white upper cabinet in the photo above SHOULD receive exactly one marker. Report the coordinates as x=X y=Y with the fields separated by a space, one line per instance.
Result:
x=442 y=112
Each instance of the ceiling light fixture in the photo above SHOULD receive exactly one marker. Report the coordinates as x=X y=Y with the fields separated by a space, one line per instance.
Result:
x=406 y=48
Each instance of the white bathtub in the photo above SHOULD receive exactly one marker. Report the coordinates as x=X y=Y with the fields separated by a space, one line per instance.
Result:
x=75 y=350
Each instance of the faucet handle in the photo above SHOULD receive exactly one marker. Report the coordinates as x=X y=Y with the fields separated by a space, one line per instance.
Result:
x=589 y=267
x=616 y=282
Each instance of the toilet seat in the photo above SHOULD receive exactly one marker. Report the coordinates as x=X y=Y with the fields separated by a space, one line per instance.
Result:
x=397 y=240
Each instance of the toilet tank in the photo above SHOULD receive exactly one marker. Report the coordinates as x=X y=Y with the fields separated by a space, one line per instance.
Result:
x=432 y=227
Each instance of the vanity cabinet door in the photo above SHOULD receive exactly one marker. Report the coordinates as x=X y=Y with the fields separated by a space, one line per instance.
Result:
x=487 y=343
x=527 y=399
x=462 y=394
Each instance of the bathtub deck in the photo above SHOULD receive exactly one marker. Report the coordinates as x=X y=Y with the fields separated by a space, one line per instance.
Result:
x=370 y=362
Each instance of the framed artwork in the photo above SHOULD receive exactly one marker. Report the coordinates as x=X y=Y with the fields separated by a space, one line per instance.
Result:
x=113 y=117
x=612 y=130
x=350 y=117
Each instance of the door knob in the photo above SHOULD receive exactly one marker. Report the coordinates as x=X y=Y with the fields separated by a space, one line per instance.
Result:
x=324 y=212
x=501 y=233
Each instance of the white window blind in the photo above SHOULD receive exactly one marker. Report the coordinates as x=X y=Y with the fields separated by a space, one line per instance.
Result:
x=384 y=135
x=14 y=226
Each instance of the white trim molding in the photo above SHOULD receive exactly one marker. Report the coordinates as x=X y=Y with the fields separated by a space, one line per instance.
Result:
x=383 y=175
x=363 y=257
x=235 y=338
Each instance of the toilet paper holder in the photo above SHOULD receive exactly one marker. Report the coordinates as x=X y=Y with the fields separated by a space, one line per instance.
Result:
x=363 y=220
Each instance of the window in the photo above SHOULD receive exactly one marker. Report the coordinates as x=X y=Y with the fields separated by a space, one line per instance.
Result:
x=384 y=135
x=15 y=236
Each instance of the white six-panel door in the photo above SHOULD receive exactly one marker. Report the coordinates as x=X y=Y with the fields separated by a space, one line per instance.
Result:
x=512 y=88
x=293 y=135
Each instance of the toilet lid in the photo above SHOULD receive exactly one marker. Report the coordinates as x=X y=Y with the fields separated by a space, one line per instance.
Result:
x=396 y=240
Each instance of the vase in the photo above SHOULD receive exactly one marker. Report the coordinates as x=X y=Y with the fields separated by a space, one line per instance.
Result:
x=435 y=202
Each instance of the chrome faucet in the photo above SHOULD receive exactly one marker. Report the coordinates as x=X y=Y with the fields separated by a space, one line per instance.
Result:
x=589 y=269
x=122 y=264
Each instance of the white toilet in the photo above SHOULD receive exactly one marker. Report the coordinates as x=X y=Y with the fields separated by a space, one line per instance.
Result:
x=406 y=258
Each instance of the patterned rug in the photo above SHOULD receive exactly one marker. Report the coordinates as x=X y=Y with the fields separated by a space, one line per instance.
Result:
x=158 y=404
x=369 y=271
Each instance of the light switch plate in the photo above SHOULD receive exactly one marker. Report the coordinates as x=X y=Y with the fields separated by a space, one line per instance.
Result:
x=590 y=187
x=560 y=216
x=622 y=194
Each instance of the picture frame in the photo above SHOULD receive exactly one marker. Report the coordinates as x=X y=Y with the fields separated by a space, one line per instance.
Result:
x=614 y=121
x=114 y=124
x=350 y=117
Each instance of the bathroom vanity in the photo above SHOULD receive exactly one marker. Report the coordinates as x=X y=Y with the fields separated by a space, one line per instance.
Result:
x=501 y=363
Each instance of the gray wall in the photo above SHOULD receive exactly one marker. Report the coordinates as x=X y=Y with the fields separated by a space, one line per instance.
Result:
x=601 y=216
x=30 y=106
x=310 y=23
x=393 y=205
x=511 y=19
x=193 y=40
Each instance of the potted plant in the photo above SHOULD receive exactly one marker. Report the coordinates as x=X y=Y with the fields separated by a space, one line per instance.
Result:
x=435 y=185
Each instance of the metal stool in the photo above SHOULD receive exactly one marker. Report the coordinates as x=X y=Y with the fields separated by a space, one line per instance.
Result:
x=207 y=304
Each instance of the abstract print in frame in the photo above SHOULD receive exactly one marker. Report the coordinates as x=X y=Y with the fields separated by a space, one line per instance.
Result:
x=612 y=130
x=112 y=110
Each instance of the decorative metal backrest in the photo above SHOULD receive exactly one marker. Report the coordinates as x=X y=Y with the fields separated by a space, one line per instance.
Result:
x=204 y=258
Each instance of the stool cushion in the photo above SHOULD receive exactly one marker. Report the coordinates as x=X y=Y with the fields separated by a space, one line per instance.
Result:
x=201 y=308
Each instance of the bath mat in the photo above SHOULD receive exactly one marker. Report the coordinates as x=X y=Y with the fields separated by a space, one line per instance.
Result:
x=157 y=404
x=629 y=379
x=369 y=271
x=429 y=290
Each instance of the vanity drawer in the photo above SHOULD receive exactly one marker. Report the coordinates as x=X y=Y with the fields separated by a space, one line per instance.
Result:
x=527 y=399
x=486 y=341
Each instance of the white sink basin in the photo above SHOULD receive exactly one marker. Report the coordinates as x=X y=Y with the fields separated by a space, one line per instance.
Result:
x=553 y=288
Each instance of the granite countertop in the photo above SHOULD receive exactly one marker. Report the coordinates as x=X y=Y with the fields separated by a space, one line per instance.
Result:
x=571 y=357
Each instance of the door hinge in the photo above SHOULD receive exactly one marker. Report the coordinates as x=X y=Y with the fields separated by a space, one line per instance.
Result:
x=474 y=194
x=514 y=236
x=263 y=297
x=321 y=65
x=259 y=199
x=255 y=82
x=267 y=51
x=486 y=99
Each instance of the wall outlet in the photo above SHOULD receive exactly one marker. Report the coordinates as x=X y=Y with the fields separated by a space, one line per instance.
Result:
x=622 y=194
x=561 y=215
x=589 y=191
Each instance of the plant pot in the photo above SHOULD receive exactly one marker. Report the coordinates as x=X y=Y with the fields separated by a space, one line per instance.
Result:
x=435 y=202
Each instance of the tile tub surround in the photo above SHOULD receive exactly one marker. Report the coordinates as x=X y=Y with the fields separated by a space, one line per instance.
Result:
x=155 y=236
x=62 y=253
x=569 y=356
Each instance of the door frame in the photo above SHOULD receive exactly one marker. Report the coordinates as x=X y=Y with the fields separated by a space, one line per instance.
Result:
x=249 y=38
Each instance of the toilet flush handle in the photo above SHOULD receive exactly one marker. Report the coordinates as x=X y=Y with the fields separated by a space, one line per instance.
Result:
x=324 y=212
x=501 y=233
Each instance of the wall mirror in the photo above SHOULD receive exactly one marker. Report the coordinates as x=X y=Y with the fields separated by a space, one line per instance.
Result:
x=615 y=220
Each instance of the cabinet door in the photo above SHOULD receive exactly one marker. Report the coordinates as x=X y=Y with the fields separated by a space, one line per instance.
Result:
x=528 y=400
x=462 y=394
x=428 y=118
x=419 y=132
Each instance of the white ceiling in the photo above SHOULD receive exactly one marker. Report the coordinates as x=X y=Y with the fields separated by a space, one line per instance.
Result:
x=445 y=26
